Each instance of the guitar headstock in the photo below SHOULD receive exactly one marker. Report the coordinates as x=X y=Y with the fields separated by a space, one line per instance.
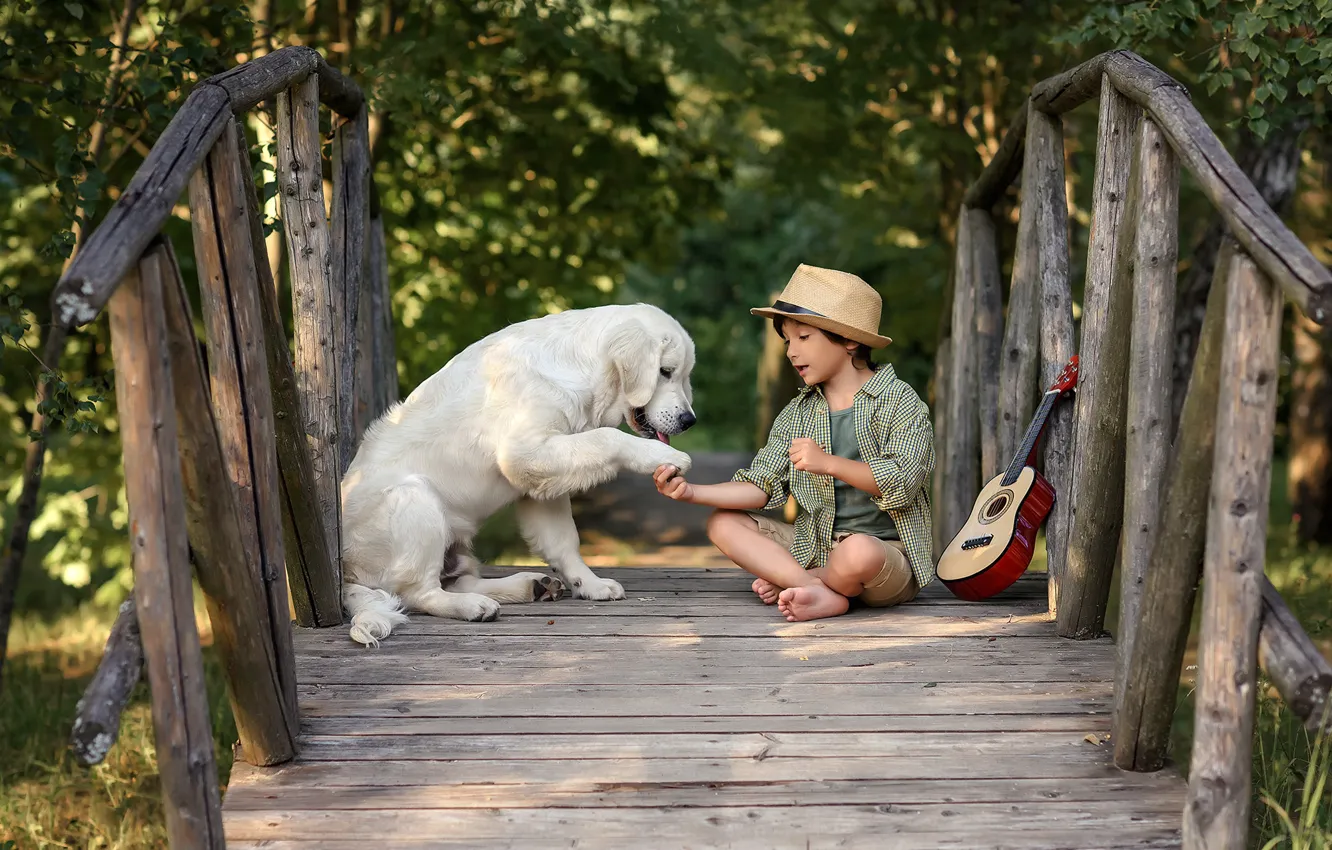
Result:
x=1067 y=379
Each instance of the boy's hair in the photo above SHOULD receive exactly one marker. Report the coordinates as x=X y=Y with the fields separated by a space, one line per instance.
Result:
x=862 y=354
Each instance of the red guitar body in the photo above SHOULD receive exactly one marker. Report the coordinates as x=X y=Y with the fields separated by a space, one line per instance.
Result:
x=993 y=576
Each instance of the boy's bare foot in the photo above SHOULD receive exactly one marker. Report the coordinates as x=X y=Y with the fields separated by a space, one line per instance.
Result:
x=766 y=590
x=811 y=602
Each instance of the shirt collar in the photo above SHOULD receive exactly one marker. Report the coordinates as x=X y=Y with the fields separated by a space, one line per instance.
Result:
x=874 y=387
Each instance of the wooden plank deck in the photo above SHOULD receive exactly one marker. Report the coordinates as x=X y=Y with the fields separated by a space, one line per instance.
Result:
x=691 y=716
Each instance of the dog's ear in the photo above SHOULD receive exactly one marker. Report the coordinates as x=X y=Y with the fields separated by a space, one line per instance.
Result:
x=634 y=355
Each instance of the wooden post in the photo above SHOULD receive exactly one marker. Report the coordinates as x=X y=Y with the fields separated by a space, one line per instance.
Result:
x=989 y=338
x=1300 y=671
x=366 y=393
x=1217 y=812
x=350 y=211
x=162 y=588
x=316 y=302
x=381 y=311
x=943 y=365
x=1094 y=501
x=962 y=455
x=312 y=576
x=97 y=716
x=234 y=591
x=1141 y=732
x=1147 y=443
x=1045 y=159
x=1017 y=374
x=242 y=399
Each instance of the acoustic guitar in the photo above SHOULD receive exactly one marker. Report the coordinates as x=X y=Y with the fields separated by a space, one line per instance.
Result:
x=994 y=547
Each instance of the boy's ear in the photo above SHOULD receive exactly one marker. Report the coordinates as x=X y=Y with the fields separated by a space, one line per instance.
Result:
x=634 y=357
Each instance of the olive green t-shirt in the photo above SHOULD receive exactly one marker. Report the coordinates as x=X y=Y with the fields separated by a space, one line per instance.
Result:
x=855 y=512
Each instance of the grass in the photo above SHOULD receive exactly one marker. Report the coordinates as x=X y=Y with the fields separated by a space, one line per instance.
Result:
x=1292 y=768
x=47 y=800
x=1290 y=808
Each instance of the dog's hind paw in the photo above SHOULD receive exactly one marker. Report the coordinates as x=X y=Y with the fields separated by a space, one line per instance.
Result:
x=599 y=590
x=480 y=610
x=547 y=589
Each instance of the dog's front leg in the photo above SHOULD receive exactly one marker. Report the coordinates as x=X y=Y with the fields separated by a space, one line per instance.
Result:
x=548 y=527
x=547 y=467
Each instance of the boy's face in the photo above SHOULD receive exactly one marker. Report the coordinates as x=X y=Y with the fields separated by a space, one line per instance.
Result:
x=813 y=355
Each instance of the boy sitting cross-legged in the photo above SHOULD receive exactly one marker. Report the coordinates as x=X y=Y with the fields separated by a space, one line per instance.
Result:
x=855 y=447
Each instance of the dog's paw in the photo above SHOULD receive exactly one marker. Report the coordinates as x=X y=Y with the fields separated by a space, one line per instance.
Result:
x=657 y=454
x=546 y=588
x=476 y=608
x=599 y=590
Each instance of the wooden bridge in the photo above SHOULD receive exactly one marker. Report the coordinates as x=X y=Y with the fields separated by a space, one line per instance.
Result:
x=688 y=715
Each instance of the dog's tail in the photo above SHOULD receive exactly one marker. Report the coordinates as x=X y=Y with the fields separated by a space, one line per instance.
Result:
x=374 y=613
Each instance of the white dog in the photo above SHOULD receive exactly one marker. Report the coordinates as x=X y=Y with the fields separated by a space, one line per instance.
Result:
x=530 y=413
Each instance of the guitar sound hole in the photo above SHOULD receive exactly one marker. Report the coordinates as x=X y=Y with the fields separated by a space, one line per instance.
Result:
x=995 y=507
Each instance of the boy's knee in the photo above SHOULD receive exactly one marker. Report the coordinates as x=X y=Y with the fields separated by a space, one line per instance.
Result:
x=721 y=523
x=858 y=554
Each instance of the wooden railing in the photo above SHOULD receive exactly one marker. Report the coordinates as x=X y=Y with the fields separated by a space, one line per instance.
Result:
x=238 y=466
x=1129 y=493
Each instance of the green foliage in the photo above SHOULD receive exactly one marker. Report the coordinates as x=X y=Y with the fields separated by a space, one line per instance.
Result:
x=534 y=149
x=744 y=257
x=74 y=125
x=1273 y=58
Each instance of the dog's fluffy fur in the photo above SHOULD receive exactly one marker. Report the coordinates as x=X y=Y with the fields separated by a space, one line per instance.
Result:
x=527 y=414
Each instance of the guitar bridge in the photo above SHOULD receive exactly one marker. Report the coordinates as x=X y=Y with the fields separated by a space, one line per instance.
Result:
x=977 y=542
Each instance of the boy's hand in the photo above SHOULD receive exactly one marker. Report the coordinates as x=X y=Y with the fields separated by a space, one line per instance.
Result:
x=808 y=457
x=671 y=484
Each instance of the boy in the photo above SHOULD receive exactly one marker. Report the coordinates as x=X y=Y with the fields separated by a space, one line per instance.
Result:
x=855 y=447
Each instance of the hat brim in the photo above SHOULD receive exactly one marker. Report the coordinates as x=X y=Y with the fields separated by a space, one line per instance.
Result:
x=823 y=322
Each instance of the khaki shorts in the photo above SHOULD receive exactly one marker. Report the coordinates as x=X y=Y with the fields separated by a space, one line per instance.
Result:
x=894 y=584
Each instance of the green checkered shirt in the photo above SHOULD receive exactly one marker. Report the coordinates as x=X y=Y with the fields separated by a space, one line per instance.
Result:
x=896 y=439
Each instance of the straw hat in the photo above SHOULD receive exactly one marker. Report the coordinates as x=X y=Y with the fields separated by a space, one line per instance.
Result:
x=834 y=301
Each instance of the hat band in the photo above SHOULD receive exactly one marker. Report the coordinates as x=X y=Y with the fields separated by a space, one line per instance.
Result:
x=788 y=307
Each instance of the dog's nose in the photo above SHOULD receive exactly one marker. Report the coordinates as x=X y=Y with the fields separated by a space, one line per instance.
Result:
x=686 y=420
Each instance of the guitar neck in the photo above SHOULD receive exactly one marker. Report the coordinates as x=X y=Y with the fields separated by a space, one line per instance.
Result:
x=1026 y=453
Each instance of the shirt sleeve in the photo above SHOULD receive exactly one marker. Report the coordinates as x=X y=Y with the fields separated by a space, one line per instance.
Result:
x=907 y=458
x=771 y=468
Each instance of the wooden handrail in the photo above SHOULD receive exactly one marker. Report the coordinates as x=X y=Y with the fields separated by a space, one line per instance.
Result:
x=252 y=83
x=1278 y=252
x=231 y=474
x=1300 y=672
x=1166 y=526
x=115 y=245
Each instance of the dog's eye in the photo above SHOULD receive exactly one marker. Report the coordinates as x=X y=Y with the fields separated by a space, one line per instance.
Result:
x=666 y=373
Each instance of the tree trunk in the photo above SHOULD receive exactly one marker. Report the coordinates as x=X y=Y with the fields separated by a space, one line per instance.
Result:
x=777 y=383
x=1273 y=166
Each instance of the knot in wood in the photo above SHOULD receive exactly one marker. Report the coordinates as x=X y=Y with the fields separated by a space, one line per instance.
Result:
x=1238 y=508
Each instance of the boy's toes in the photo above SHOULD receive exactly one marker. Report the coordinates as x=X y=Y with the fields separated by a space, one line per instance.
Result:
x=765 y=590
